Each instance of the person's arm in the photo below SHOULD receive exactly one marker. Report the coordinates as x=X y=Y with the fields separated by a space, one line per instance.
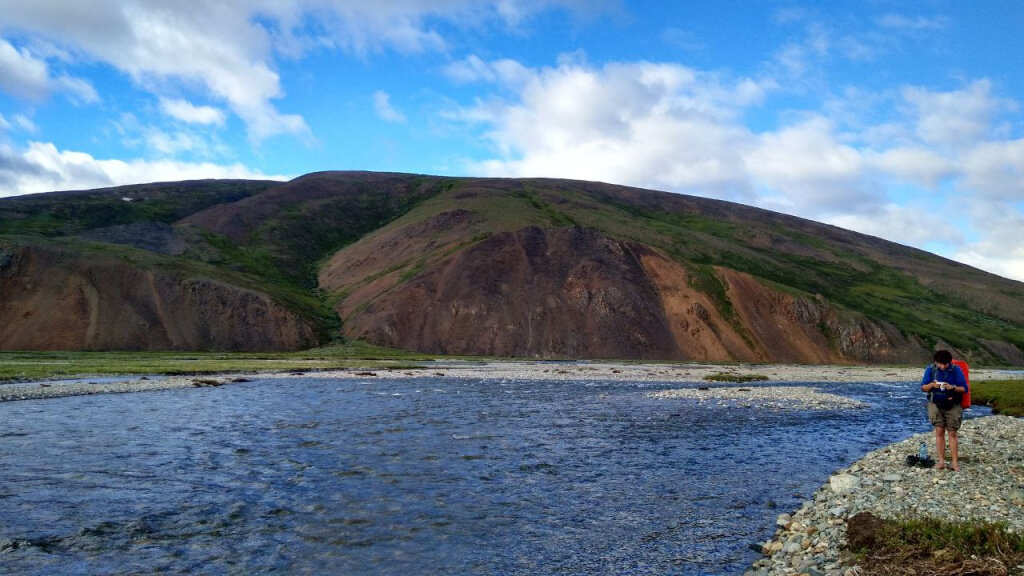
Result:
x=926 y=381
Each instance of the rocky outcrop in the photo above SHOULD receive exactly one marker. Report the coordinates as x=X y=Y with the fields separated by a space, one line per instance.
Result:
x=566 y=292
x=575 y=293
x=810 y=330
x=56 y=300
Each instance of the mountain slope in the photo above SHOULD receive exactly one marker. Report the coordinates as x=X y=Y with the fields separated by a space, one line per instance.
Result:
x=498 y=275
x=508 y=267
x=53 y=299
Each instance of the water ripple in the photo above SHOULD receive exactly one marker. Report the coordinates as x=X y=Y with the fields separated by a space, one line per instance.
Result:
x=415 y=477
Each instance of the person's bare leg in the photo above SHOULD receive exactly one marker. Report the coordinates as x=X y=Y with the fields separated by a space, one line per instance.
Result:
x=940 y=447
x=954 y=445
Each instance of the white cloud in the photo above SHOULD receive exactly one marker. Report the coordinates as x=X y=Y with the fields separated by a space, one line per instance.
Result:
x=80 y=90
x=796 y=59
x=42 y=167
x=908 y=23
x=192 y=114
x=184 y=142
x=807 y=153
x=386 y=112
x=682 y=39
x=657 y=125
x=911 y=224
x=228 y=48
x=177 y=142
x=670 y=127
x=995 y=171
x=474 y=69
x=916 y=165
x=806 y=169
x=18 y=122
x=954 y=119
x=999 y=249
x=22 y=75
x=219 y=47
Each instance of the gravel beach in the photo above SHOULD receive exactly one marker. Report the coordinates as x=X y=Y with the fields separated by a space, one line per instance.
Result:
x=989 y=488
x=497 y=370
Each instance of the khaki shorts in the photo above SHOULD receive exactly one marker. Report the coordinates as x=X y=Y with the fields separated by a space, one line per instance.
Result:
x=948 y=419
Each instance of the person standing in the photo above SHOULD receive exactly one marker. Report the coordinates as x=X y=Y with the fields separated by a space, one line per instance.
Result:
x=945 y=384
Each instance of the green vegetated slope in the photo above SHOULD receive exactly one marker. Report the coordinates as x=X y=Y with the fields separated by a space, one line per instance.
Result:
x=384 y=236
x=244 y=237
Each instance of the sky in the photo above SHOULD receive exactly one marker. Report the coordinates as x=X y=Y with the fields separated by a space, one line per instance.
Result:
x=900 y=119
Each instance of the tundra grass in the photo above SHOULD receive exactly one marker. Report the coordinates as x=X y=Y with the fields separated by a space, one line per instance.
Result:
x=16 y=366
x=1004 y=396
x=933 y=547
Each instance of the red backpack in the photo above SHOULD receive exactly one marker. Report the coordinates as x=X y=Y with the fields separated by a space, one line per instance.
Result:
x=965 y=400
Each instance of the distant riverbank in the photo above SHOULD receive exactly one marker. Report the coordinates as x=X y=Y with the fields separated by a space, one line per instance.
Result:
x=496 y=370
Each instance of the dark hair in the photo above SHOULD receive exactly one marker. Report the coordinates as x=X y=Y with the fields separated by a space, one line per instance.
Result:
x=943 y=357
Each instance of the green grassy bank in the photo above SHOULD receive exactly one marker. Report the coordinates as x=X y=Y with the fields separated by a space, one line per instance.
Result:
x=41 y=365
x=1004 y=396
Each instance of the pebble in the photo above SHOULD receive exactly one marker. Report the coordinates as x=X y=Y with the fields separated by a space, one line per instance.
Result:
x=987 y=488
x=843 y=483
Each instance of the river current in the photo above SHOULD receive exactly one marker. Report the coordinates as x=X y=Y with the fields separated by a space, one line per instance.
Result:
x=445 y=476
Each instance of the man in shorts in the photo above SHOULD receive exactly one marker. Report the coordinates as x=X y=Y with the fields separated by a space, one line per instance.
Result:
x=945 y=384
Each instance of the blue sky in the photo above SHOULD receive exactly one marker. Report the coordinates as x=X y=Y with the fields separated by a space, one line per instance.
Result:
x=894 y=118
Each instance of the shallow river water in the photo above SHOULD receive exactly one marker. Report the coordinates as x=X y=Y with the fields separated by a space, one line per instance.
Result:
x=331 y=476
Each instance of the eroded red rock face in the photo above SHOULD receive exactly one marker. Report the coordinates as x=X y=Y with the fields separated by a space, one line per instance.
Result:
x=575 y=293
x=566 y=292
x=55 y=301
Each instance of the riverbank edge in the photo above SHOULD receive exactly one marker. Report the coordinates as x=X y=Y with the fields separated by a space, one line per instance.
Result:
x=496 y=370
x=597 y=370
x=810 y=541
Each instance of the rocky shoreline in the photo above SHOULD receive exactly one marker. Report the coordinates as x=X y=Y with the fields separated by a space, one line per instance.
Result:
x=989 y=488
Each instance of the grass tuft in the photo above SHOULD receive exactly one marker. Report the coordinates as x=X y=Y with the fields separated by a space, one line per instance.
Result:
x=932 y=547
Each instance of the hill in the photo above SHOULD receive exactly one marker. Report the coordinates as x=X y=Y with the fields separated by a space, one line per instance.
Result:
x=506 y=267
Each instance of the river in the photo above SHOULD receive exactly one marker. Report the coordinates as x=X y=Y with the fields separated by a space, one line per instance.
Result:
x=417 y=476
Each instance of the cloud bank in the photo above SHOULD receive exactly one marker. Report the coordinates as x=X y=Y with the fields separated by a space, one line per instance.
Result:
x=41 y=167
x=225 y=52
x=670 y=127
